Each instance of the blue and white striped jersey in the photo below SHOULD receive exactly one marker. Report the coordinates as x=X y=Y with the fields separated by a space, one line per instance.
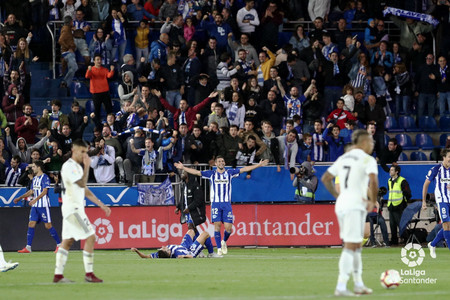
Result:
x=177 y=250
x=442 y=176
x=220 y=190
x=39 y=184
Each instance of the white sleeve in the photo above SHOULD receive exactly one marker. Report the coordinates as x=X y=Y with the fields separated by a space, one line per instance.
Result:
x=371 y=166
x=256 y=21
x=333 y=169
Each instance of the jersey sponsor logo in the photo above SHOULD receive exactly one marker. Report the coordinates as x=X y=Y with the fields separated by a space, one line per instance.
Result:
x=221 y=181
x=444 y=180
x=103 y=231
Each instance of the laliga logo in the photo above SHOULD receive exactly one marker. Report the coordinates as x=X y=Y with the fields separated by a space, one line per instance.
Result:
x=103 y=230
x=412 y=255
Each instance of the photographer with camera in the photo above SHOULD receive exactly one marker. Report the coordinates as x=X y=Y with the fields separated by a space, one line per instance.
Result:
x=305 y=181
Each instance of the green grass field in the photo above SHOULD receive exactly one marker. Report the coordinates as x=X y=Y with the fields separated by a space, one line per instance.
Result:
x=281 y=273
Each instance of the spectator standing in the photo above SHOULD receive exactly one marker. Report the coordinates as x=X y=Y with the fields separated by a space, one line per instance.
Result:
x=12 y=104
x=24 y=54
x=339 y=116
x=235 y=110
x=266 y=60
x=116 y=25
x=443 y=85
x=68 y=47
x=191 y=67
x=127 y=88
x=219 y=30
x=56 y=119
x=225 y=70
x=247 y=18
x=159 y=49
x=26 y=126
x=137 y=11
x=79 y=28
x=319 y=8
x=402 y=90
x=13 y=31
x=169 y=9
x=101 y=45
x=335 y=142
x=77 y=121
x=102 y=162
x=299 y=40
x=272 y=153
x=228 y=144
x=173 y=82
x=141 y=41
x=270 y=24
x=426 y=79
x=99 y=87
x=251 y=54
x=390 y=154
x=273 y=110
x=175 y=30
x=288 y=149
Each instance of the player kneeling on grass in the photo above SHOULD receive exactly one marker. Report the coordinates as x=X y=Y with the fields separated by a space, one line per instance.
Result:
x=188 y=248
x=76 y=225
x=39 y=205
x=357 y=170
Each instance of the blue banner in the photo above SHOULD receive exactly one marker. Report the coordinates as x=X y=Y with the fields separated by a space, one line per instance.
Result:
x=150 y=194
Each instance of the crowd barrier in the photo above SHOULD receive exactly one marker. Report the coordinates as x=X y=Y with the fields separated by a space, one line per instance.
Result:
x=153 y=226
x=266 y=185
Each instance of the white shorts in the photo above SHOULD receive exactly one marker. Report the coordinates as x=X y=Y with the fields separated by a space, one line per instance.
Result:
x=351 y=225
x=77 y=226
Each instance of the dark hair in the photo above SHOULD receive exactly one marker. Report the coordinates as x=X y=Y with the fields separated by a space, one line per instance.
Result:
x=162 y=254
x=80 y=143
x=40 y=164
x=251 y=137
x=224 y=57
x=98 y=139
x=17 y=158
x=56 y=102
x=234 y=126
x=219 y=105
x=75 y=104
x=393 y=140
x=397 y=169
x=444 y=152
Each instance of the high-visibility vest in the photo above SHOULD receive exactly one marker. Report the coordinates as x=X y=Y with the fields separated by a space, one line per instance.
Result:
x=395 y=192
x=308 y=196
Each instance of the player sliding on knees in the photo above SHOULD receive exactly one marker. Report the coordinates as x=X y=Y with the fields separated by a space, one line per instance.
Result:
x=357 y=170
x=220 y=196
x=189 y=248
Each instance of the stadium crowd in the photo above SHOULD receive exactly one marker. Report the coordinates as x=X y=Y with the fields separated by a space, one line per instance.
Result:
x=216 y=81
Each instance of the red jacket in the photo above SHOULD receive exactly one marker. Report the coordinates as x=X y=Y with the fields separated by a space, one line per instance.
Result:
x=28 y=131
x=190 y=112
x=342 y=116
x=99 y=79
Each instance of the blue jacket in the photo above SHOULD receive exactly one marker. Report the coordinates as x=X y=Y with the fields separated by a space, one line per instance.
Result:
x=158 y=50
x=335 y=146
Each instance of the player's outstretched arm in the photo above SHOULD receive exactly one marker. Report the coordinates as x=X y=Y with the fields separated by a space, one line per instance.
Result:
x=262 y=163
x=180 y=166
x=96 y=201
x=424 y=193
x=327 y=180
x=142 y=255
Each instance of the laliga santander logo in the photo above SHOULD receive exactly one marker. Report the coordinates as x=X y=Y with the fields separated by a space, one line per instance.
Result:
x=412 y=255
x=103 y=231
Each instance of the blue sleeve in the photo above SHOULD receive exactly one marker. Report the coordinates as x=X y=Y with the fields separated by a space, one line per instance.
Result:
x=45 y=182
x=432 y=173
x=141 y=153
x=234 y=172
x=325 y=135
x=302 y=99
x=207 y=174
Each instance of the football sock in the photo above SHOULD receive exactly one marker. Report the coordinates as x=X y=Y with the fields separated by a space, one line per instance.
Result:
x=209 y=245
x=61 y=258
x=447 y=238
x=30 y=236
x=54 y=235
x=2 y=258
x=88 y=260
x=439 y=237
x=226 y=235
x=345 y=268
x=218 y=238
x=357 y=268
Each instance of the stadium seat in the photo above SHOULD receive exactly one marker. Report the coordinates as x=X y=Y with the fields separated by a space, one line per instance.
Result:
x=427 y=123
x=443 y=139
x=444 y=123
x=113 y=89
x=386 y=139
x=418 y=155
x=90 y=108
x=391 y=125
x=405 y=141
x=407 y=123
x=403 y=157
x=424 y=141
x=79 y=89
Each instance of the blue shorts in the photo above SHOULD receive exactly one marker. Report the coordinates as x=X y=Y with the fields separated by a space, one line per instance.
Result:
x=39 y=214
x=222 y=212
x=444 y=210
x=188 y=218
x=194 y=247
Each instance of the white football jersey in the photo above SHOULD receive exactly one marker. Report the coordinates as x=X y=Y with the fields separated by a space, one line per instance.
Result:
x=73 y=196
x=353 y=169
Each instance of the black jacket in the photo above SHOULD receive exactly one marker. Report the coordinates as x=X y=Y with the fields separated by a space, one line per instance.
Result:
x=195 y=201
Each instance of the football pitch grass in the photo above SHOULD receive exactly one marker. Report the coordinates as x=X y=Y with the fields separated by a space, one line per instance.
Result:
x=273 y=273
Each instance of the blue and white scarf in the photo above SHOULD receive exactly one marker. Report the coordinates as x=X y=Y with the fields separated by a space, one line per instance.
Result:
x=410 y=15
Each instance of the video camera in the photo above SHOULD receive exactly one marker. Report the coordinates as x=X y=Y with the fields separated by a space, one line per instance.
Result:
x=382 y=191
x=299 y=171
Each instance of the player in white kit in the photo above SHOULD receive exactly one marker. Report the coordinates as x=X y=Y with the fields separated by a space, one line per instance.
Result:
x=76 y=225
x=4 y=265
x=357 y=171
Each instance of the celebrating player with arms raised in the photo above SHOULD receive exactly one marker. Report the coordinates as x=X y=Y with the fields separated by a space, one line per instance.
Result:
x=357 y=170
x=220 y=195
